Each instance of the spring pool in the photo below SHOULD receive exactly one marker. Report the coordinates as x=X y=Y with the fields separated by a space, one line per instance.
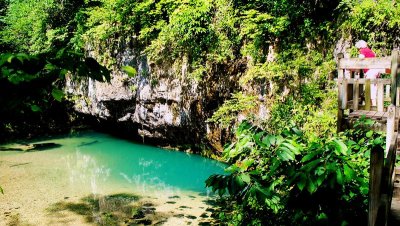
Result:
x=93 y=178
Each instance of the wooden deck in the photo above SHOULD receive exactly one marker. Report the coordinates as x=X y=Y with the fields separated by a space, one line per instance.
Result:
x=354 y=102
x=375 y=115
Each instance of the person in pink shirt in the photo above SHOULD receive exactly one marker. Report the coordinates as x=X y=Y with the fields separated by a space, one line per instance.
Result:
x=365 y=52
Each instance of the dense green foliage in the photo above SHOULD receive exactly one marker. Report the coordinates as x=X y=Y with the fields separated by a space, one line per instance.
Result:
x=278 y=175
x=286 y=179
x=39 y=26
x=377 y=22
x=31 y=89
x=36 y=54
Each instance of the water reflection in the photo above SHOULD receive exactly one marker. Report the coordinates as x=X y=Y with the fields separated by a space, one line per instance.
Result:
x=139 y=167
x=84 y=171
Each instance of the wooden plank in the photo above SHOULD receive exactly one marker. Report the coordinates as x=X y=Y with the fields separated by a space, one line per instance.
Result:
x=365 y=63
x=379 y=114
x=374 y=199
x=384 y=81
x=379 y=101
x=358 y=113
x=376 y=115
x=386 y=114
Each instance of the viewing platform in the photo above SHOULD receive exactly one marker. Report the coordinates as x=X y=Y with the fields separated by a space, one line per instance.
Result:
x=354 y=102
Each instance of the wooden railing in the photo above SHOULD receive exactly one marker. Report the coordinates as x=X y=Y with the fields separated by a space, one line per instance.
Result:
x=355 y=94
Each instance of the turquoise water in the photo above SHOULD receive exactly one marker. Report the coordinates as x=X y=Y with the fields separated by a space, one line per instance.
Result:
x=53 y=186
x=138 y=164
x=104 y=160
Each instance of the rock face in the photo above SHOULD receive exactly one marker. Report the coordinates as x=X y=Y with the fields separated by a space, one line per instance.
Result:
x=159 y=105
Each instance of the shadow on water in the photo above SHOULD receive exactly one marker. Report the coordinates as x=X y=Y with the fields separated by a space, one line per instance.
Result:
x=30 y=147
x=88 y=143
x=113 y=209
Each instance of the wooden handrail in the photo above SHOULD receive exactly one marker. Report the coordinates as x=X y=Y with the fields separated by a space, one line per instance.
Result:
x=365 y=63
x=382 y=161
x=384 y=81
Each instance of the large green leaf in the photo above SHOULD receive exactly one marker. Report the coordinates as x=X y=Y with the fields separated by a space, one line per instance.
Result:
x=340 y=147
x=129 y=70
x=309 y=156
x=292 y=147
x=257 y=139
x=301 y=183
x=349 y=173
x=245 y=164
x=232 y=169
x=245 y=178
x=339 y=176
x=35 y=108
x=57 y=94
x=269 y=140
x=285 y=154
x=311 y=165
x=311 y=186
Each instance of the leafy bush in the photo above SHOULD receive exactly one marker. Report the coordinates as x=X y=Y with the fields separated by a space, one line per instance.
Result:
x=377 y=22
x=285 y=179
x=38 y=26
x=226 y=115
x=31 y=90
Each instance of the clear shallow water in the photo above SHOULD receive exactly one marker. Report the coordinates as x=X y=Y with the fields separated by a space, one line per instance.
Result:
x=133 y=164
x=95 y=163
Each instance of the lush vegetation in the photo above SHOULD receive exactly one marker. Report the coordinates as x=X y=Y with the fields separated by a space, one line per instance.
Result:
x=286 y=179
x=278 y=174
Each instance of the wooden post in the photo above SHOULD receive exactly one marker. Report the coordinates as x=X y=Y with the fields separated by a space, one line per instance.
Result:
x=387 y=91
x=390 y=126
x=374 y=202
x=389 y=177
x=340 y=94
x=344 y=94
x=368 y=95
x=356 y=92
x=379 y=100
x=394 y=68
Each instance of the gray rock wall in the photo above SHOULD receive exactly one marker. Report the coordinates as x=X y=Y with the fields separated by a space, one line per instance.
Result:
x=155 y=103
x=161 y=104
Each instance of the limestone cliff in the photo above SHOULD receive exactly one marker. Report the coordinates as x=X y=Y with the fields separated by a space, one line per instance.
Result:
x=160 y=105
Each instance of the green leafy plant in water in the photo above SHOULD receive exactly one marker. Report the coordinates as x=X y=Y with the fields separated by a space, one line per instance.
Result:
x=286 y=179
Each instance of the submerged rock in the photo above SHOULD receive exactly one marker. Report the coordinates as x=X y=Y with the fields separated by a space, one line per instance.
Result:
x=44 y=146
x=174 y=197
x=88 y=143
x=30 y=147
